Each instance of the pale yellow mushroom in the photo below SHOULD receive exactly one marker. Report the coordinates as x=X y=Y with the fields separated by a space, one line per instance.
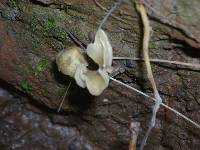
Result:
x=71 y=62
x=69 y=59
x=80 y=75
x=95 y=81
x=101 y=51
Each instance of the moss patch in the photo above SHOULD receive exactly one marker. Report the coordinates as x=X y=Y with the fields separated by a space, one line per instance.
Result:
x=45 y=93
x=51 y=29
x=26 y=86
x=40 y=67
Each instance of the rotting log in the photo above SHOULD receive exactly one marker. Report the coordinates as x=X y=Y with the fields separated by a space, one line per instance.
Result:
x=33 y=32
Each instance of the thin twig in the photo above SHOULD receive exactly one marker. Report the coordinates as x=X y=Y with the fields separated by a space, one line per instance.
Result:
x=61 y=103
x=164 y=105
x=112 y=15
x=145 y=46
x=134 y=128
x=76 y=40
x=110 y=12
x=189 y=65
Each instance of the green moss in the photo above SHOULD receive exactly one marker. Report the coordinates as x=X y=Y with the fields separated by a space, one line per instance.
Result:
x=51 y=29
x=27 y=87
x=46 y=26
x=45 y=93
x=50 y=24
x=40 y=67
x=48 y=29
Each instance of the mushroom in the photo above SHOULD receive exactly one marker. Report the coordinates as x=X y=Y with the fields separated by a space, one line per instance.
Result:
x=71 y=62
x=100 y=51
x=95 y=81
x=69 y=59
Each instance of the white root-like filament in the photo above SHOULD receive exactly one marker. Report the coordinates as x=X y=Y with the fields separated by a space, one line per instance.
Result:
x=164 y=105
x=189 y=65
x=63 y=99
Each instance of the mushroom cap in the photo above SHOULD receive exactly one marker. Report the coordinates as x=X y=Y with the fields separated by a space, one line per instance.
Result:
x=69 y=59
x=101 y=51
x=95 y=81
x=80 y=75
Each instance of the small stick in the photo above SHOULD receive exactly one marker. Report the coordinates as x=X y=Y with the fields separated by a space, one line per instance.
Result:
x=189 y=65
x=76 y=40
x=109 y=13
x=134 y=128
x=145 y=46
x=61 y=103
x=102 y=7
